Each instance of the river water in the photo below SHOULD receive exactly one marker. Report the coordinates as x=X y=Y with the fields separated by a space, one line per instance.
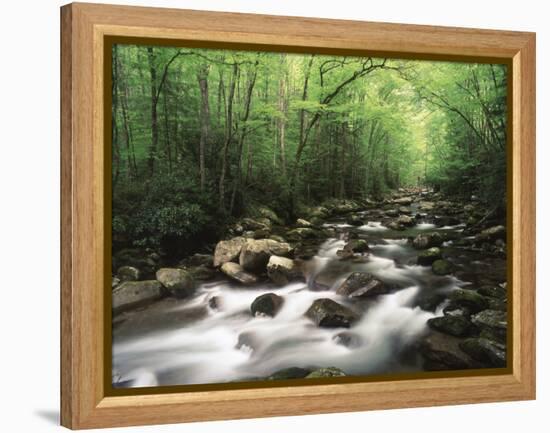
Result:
x=190 y=342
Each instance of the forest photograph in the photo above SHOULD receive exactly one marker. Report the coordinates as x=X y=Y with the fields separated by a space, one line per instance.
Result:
x=284 y=216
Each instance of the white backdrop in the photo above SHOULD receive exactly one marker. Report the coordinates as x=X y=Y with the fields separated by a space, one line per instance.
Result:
x=29 y=174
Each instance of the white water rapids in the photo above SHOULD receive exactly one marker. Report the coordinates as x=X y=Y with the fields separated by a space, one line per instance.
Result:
x=227 y=344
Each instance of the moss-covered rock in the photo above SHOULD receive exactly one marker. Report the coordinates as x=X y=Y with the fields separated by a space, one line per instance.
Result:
x=469 y=299
x=427 y=257
x=442 y=267
x=458 y=326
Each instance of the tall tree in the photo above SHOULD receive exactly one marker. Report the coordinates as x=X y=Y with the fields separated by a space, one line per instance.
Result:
x=202 y=77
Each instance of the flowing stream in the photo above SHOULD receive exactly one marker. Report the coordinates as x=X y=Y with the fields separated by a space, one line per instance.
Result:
x=198 y=340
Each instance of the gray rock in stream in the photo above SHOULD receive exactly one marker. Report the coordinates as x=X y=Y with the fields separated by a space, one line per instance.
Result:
x=228 y=251
x=493 y=324
x=255 y=253
x=327 y=313
x=267 y=304
x=362 y=284
x=281 y=270
x=132 y=294
x=442 y=352
x=458 y=326
x=178 y=282
x=237 y=273
x=486 y=351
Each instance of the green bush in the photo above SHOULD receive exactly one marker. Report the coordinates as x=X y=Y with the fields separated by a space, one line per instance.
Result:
x=168 y=212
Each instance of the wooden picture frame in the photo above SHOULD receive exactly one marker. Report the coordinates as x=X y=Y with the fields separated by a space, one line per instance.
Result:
x=85 y=402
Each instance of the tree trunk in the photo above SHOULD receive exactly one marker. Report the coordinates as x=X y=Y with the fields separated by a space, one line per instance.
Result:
x=204 y=121
x=228 y=133
x=114 y=111
x=154 y=117
x=281 y=120
x=244 y=131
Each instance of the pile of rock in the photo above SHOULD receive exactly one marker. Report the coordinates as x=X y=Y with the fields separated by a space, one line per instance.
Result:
x=470 y=334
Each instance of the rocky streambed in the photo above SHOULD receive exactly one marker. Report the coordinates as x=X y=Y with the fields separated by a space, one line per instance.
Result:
x=413 y=283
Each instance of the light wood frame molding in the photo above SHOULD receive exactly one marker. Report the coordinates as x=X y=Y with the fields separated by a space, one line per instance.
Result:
x=84 y=403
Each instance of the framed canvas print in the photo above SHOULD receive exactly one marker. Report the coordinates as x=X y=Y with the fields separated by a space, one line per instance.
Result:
x=270 y=216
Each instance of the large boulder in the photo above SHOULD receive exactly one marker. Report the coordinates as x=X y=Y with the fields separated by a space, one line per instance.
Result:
x=128 y=273
x=442 y=267
x=279 y=248
x=442 y=352
x=485 y=351
x=362 y=285
x=458 y=326
x=237 y=273
x=327 y=313
x=469 y=299
x=427 y=257
x=228 y=251
x=427 y=240
x=493 y=324
x=131 y=294
x=177 y=281
x=255 y=253
x=267 y=304
x=326 y=372
x=281 y=270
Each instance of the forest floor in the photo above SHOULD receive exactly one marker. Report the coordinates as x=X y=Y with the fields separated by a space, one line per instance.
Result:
x=414 y=283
